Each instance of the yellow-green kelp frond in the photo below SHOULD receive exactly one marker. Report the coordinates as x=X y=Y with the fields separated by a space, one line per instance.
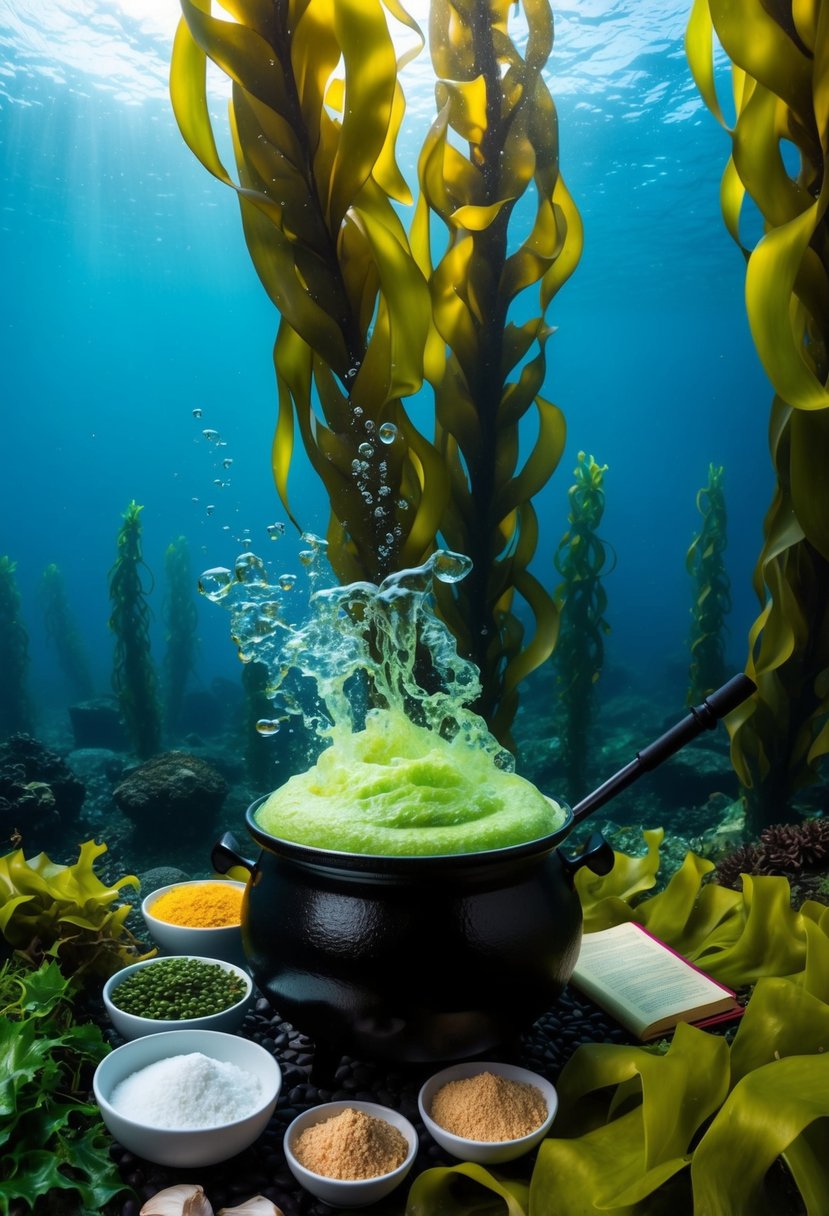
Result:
x=495 y=101
x=780 y=76
x=710 y=590
x=315 y=113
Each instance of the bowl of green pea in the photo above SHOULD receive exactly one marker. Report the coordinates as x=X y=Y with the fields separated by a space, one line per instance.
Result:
x=183 y=992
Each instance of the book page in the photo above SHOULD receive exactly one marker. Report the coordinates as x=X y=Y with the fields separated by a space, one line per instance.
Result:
x=631 y=973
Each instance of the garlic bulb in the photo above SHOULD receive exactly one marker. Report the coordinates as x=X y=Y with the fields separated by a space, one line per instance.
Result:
x=257 y=1206
x=182 y=1200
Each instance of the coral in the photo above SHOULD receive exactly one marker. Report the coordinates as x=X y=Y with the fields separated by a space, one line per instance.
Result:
x=66 y=913
x=791 y=849
x=781 y=735
x=711 y=600
x=133 y=675
x=581 y=560
x=368 y=316
x=175 y=792
x=64 y=634
x=15 y=707
x=39 y=795
x=180 y=620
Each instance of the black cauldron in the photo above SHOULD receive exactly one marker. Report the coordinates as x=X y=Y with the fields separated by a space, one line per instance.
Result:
x=428 y=958
x=411 y=959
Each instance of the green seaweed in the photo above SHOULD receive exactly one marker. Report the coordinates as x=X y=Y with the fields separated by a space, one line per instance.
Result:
x=780 y=70
x=67 y=913
x=368 y=317
x=581 y=559
x=180 y=621
x=54 y=1148
x=62 y=628
x=15 y=705
x=133 y=674
x=711 y=591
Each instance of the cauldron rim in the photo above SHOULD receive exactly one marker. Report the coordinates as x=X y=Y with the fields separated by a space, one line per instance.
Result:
x=404 y=864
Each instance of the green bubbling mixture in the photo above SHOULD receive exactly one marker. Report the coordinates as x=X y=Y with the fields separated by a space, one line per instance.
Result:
x=396 y=789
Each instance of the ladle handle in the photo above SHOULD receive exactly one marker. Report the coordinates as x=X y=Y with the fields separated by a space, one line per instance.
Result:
x=702 y=717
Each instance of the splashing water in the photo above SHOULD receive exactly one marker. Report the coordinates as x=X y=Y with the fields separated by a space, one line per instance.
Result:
x=362 y=646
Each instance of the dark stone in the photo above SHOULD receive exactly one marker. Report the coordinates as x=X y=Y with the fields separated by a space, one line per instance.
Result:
x=174 y=792
x=39 y=794
x=98 y=723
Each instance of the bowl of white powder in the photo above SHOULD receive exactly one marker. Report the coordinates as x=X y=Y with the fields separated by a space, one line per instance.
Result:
x=187 y=1097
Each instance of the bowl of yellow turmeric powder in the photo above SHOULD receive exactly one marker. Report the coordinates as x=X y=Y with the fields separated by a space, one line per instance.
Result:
x=202 y=917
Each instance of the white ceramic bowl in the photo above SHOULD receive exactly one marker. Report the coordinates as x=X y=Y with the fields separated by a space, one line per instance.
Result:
x=186 y=1147
x=342 y=1192
x=133 y=1026
x=223 y=943
x=485 y=1151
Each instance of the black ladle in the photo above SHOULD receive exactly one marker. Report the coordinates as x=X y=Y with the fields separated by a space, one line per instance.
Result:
x=702 y=717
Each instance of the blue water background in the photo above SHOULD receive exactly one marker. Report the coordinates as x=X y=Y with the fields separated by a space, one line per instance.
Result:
x=129 y=300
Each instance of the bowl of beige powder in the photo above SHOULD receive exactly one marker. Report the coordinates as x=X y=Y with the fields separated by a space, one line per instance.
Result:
x=487 y=1112
x=350 y=1154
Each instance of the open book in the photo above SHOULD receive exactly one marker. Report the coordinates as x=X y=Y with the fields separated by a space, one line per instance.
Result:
x=646 y=985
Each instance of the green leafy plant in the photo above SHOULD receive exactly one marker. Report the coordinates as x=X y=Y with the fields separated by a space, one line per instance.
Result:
x=62 y=628
x=15 y=707
x=67 y=913
x=180 y=620
x=133 y=674
x=695 y=1126
x=54 y=1148
x=581 y=559
x=368 y=316
x=779 y=72
x=711 y=591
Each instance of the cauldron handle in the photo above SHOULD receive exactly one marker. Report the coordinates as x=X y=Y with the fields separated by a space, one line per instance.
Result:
x=225 y=854
x=597 y=855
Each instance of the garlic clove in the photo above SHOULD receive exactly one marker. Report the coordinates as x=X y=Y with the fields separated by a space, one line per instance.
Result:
x=182 y=1200
x=257 y=1206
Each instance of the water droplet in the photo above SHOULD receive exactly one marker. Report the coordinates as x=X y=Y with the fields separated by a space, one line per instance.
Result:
x=215 y=583
x=287 y=581
x=209 y=434
x=449 y=567
x=250 y=569
x=387 y=432
x=197 y=413
x=267 y=726
x=227 y=462
x=365 y=450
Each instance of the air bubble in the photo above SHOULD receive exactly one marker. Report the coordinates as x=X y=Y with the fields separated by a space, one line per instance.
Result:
x=387 y=433
x=250 y=569
x=356 y=465
x=227 y=462
x=287 y=582
x=216 y=583
x=267 y=726
x=450 y=567
x=197 y=413
x=366 y=450
x=276 y=530
x=210 y=508
x=209 y=434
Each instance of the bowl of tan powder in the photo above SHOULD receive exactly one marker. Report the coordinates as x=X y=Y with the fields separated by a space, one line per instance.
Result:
x=350 y=1154
x=202 y=917
x=487 y=1112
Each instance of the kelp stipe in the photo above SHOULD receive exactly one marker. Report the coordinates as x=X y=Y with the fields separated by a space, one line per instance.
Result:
x=711 y=591
x=62 y=629
x=365 y=317
x=180 y=623
x=581 y=559
x=133 y=675
x=780 y=75
x=495 y=101
x=15 y=706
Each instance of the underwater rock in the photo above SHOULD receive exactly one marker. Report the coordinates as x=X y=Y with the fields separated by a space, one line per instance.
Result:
x=161 y=876
x=173 y=793
x=39 y=795
x=98 y=723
